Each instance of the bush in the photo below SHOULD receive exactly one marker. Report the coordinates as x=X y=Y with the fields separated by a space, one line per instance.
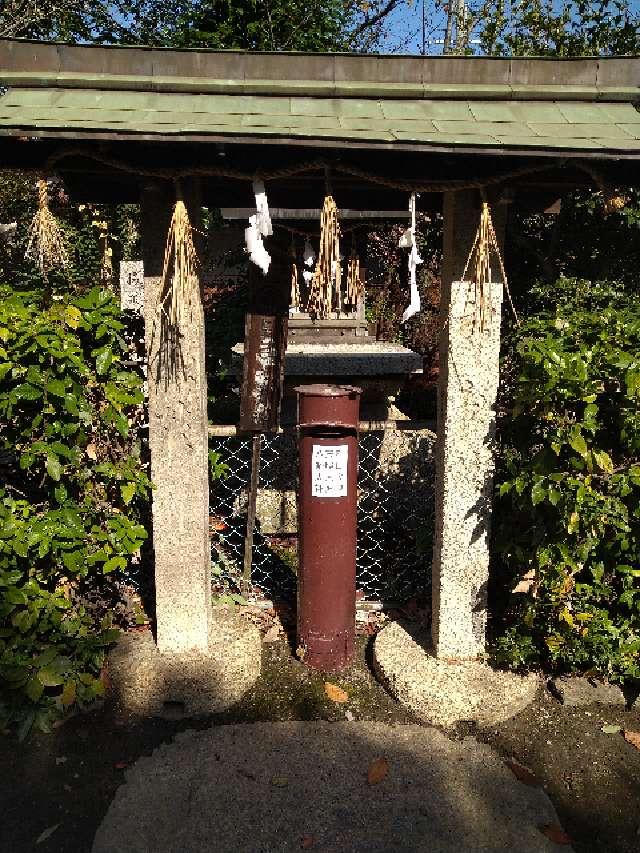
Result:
x=568 y=507
x=74 y=490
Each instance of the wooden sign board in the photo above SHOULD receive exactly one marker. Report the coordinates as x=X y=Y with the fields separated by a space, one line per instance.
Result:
x=265 y=343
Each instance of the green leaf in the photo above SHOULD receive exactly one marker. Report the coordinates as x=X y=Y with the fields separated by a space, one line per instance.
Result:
x=611 y=729
x=127 y=490
x=54 y=468
x=72 y=316
x=577 y=442
x=74 y=561
x=46 y=657
x=113 y=564
x=538 y=492
x=574 y=521
x=554 y=496
x=56 y=387
x=603 y=461
x=104 y=358
x=27 y=392
x=68 y=694
x=34 y=689
x=50 y=677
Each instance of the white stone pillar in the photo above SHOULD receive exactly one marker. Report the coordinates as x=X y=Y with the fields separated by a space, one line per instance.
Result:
x=178 y=445
x=468 y=384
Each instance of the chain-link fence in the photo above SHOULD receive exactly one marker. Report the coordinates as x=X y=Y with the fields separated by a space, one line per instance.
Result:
x=395 y=513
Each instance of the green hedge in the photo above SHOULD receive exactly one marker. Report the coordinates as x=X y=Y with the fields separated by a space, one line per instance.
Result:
x=72 y=496
x=568 y=508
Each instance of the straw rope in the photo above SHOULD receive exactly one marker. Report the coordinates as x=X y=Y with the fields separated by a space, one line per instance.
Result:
x=355 y=286
x=484 y=245
x=317 y=165
x=46 y=245
x=325 y=290
x=179 y=273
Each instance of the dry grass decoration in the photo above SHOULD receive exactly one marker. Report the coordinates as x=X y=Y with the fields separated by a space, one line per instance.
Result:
x=355 y=285
x=179 y=287
x=484 y=246
x=46 y=246
x=324 y=292
x=295 y=282
x=180 y=270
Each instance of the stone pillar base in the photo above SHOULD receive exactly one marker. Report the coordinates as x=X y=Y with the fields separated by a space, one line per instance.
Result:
x=148 y=682
x=443 y=692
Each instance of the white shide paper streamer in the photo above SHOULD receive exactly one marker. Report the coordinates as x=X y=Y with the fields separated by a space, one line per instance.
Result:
x=259 y=227
x=255 y=247
x=408 y=241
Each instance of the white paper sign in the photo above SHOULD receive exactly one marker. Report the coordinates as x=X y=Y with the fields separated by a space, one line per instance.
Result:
x=329 y=470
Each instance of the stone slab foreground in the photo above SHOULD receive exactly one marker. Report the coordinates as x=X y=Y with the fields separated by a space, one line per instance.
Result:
x=273 y=787
x=442 y=692
x=149 y=682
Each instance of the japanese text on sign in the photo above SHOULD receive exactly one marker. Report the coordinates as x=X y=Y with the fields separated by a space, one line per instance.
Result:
x=329 y=470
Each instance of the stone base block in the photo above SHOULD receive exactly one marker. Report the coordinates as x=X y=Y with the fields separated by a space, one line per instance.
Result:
x=576 y=691
x=151 y=683
x=444 y=693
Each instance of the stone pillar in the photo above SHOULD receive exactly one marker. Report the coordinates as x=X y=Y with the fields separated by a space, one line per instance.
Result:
x=178 y=446
x=468 y=384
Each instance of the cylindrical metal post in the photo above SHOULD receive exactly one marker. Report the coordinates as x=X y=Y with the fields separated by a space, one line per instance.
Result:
x=328 y=418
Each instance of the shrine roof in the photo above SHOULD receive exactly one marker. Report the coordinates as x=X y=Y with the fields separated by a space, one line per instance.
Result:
x=335 y=100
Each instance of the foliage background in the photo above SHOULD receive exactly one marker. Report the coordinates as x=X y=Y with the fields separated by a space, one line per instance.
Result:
x=73 y=496
x=568 y=502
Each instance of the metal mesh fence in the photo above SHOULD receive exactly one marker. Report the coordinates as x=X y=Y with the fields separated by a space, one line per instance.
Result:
x=394 y=516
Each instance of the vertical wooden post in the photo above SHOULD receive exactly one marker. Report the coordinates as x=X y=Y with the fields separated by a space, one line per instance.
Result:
x=178 y=444
x=265 y=344
x=468 y=384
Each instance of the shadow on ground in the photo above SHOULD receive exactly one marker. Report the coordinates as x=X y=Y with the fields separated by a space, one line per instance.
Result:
x=69 y=778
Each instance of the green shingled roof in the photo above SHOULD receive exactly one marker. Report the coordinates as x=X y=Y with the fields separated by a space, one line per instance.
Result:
x=560 y=124
x=589 y=107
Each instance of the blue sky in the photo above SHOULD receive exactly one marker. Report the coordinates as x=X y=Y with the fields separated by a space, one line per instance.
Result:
x=405 y=35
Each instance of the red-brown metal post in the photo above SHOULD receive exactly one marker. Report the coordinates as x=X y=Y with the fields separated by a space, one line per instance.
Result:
x=328 y=418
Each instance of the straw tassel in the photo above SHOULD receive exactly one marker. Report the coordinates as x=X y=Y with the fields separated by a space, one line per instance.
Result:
x=484 y=245
x=46 y=246
x=325 y=290
x=179 y=274
x=355 y=288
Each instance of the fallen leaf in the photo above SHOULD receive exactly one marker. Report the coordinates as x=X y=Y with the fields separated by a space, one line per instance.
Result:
x=378 y=771
x=48 y=832
x=522 y=773
x=633 y=738
x=279 y=781
x=611 y=729
x=555 y=833
x=335 y=693
x=272 y=635
x=307 y=842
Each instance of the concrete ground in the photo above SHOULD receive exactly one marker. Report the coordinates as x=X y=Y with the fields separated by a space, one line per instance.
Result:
x=330 y=787
x=57 y=788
